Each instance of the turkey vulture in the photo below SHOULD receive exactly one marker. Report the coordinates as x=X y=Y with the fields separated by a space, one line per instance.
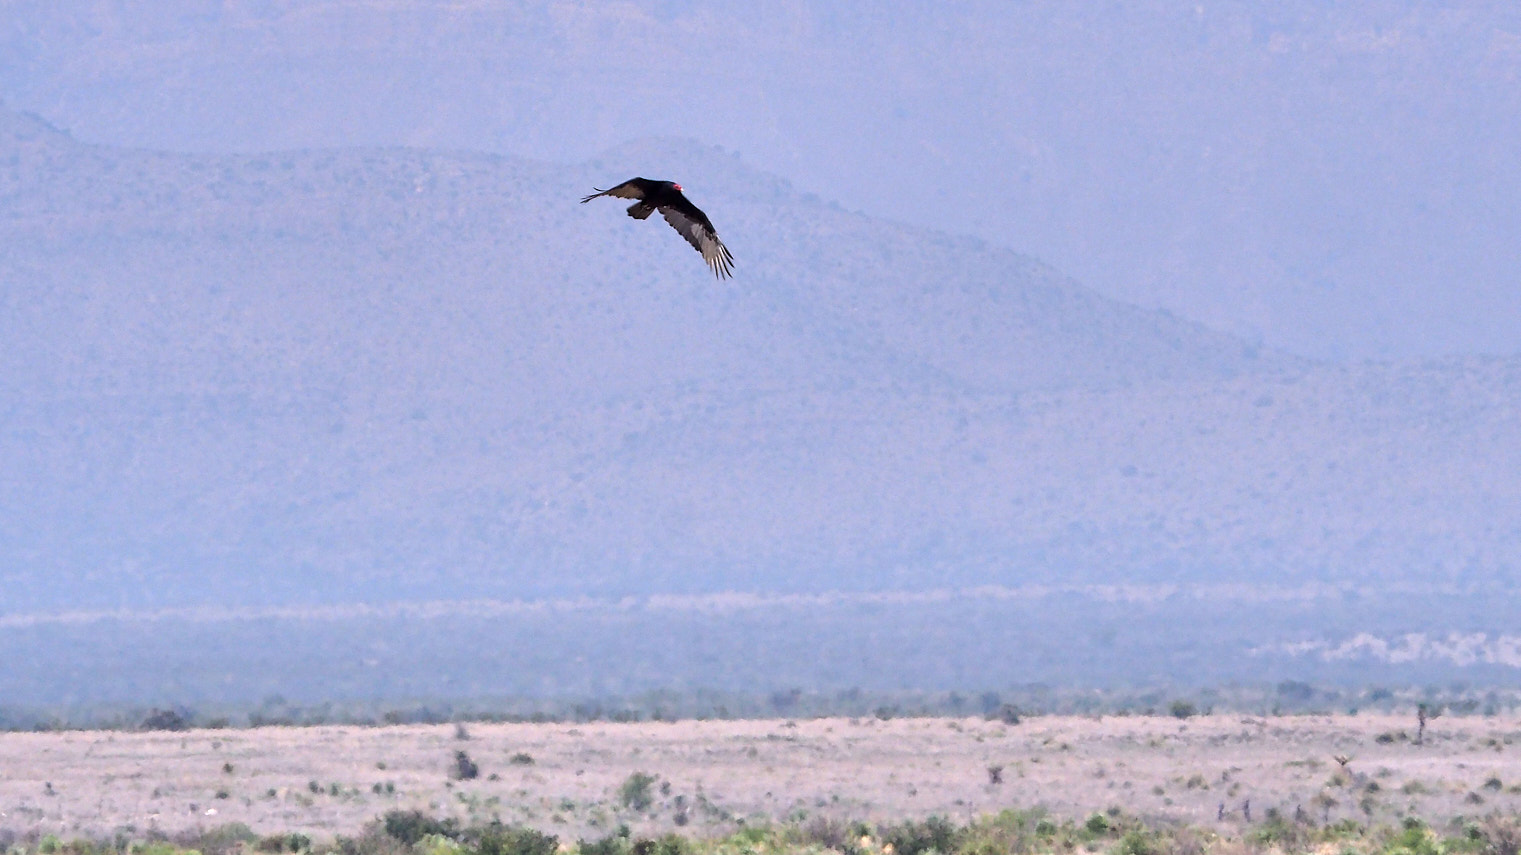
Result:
x=684 y=217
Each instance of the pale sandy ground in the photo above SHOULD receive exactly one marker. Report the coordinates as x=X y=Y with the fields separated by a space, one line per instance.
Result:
x=88 y=782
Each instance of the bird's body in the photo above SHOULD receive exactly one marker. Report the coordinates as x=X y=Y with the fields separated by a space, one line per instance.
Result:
x=686 y=218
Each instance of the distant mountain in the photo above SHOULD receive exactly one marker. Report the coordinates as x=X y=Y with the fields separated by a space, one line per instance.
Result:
x=494 y=239
x=391 y=375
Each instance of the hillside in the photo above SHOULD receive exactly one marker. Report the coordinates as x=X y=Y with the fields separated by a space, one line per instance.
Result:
x=316 y=380
x=294 y=371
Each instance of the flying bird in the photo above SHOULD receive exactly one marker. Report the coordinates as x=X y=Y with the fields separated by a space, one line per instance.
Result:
x=686 y=218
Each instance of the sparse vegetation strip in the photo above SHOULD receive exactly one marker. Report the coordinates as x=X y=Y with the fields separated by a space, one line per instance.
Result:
x=1008 y=705
x=1011 y=832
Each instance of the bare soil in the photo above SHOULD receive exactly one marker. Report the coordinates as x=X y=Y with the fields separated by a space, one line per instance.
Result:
x=1207 y=770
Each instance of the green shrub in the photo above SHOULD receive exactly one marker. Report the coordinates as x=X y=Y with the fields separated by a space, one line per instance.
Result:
x=1343 y=829
x=749 y=836
x=670 y=844
x=374 y=841
x=1011 y=831
x=277 y=843
x=935 y=834
x=437 y=844
x=620 y=844
x=158 y=848
x=1097 y=825
x=611 y=845
x=636 y=792
x=1415 y=839
x=1278 y=832
x=1138 y=842
x=498 y=839
x=410 y=826
x=221 y=840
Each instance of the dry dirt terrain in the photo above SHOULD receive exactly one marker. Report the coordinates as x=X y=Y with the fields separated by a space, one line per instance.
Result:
x=566 y=778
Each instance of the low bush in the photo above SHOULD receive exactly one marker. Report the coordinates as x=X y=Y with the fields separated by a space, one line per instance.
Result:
x=227 y=839
x=826 y=832
x=1500 y=835
x=165 y=720
x=1011 y=832
x=277 y=843
x=1139 y=841
x=410 y=826
x=499 y=839
x=374 y=841
x=1006 y=713
x=935 y=834
x=613 y=844
x=637 y=792
x=464 y=769
x=1414 y=840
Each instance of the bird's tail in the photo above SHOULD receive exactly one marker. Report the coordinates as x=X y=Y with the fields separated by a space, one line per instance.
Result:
x=640 y=210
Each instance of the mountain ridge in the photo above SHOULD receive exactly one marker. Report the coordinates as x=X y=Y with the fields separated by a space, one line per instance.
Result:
x=282 y=378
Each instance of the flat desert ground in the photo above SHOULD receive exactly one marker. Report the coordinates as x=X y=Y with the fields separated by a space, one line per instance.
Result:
x=712 y=775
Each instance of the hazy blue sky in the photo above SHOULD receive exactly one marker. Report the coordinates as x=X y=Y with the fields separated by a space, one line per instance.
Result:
x=1339 y=179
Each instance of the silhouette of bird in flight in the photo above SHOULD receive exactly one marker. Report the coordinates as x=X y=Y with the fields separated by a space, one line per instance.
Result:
x=686 y=218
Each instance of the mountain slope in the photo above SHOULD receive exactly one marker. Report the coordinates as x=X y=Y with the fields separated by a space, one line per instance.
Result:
x=380 y=375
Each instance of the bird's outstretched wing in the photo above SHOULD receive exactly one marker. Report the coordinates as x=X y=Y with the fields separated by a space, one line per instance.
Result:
x=630 y=189
x=694 y=225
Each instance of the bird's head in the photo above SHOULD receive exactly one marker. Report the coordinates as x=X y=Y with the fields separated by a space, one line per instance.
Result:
x=677 y=186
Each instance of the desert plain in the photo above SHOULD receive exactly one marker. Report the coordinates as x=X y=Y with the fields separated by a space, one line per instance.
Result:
x=706 y=777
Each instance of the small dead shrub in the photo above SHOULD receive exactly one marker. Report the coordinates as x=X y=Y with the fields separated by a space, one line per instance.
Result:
x=1501 y=835
x=464 y=769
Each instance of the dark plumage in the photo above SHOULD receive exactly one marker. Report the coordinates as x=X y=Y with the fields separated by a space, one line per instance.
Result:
x=678 y=210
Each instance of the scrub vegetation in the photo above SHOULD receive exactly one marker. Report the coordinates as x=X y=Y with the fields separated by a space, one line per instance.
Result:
x=1010 y=832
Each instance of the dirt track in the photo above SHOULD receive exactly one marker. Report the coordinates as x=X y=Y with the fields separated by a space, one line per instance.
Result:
x=324 y=780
